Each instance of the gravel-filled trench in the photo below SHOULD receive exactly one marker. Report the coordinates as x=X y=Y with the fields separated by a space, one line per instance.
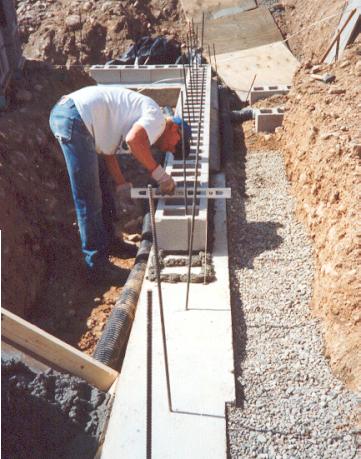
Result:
x=289 y=405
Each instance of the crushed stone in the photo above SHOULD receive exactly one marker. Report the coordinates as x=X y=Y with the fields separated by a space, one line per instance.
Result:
x=289 y=404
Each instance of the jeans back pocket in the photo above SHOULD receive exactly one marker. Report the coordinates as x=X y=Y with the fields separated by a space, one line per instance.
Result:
x=61 y=124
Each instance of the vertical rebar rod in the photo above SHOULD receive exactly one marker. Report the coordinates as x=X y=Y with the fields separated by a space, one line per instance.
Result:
x=186 y=91
x=193 y=37
x=157 y=268
x=209 y=55
x=187 y=96
x=250 y=88
x=202 y=36
x=205 y=255
x=149 y=372
x=190 y=73
x=184 y=160
x=191 y=236
x=215 y=60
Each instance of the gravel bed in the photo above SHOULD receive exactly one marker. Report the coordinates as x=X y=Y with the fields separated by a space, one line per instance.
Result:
x=289 y=405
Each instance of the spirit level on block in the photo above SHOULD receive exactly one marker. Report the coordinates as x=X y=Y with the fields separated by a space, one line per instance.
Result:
x=210 y=193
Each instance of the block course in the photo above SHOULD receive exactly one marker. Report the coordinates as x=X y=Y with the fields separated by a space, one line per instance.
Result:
x=262 y=92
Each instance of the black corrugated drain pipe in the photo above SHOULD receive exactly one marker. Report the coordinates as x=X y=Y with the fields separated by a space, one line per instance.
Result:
x=115 y=335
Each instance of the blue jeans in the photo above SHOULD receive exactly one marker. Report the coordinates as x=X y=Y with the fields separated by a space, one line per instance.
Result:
x=88 y=181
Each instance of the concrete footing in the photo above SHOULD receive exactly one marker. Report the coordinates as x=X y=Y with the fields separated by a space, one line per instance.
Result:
x=200 y=356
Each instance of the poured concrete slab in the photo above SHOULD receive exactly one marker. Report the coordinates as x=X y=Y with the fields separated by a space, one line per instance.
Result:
x=242 y=31
x=214 y=9
x=272 y=64
x=201 y=369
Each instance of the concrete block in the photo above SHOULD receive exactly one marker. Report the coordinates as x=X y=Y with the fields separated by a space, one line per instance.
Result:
x=141 y=75
x=267 y=119
x=262 y=92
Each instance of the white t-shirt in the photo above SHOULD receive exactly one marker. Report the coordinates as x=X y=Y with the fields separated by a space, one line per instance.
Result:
x=109 y=112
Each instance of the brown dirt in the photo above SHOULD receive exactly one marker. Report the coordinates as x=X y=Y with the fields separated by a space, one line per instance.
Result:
x=309 y=26
x=44 y=279
x=92 y=32
x=321 y=140
x=323 y=161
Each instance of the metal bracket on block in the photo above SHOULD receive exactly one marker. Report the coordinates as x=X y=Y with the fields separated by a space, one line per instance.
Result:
x=210 y=193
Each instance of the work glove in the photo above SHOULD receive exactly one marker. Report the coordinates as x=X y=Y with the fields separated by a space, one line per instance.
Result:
x=166 y=183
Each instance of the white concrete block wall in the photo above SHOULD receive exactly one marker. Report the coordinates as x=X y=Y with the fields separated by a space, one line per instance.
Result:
x=267 y=119
x=172 y=224
x=262 y=92
x=136 y=76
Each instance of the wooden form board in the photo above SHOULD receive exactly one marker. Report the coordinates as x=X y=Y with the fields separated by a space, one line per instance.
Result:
x=272 y=64
x=348 y=31
x=241 y=31
x=55 y=351
x=215 y=8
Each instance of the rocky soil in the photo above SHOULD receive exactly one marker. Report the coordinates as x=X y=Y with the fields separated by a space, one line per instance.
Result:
x=91 y=32
x=321 y=141
x=309 y=25
x=323 y=161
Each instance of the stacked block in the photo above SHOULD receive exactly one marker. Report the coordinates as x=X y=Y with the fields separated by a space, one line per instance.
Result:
x=262 y=92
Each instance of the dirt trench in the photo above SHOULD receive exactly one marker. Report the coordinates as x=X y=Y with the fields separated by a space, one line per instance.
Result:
x=321 y=141
x=45 y=279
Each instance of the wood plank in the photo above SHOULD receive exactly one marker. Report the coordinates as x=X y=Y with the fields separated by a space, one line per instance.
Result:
x=349 y=22
x=242 y=31
x=53 y=350
x=213 y=9
x=272 y=64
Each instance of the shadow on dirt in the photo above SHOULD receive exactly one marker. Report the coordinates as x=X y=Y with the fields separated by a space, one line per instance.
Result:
x=246 y=241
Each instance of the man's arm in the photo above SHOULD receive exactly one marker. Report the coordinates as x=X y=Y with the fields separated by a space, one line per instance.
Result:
x=114 y=169
x=138 y=142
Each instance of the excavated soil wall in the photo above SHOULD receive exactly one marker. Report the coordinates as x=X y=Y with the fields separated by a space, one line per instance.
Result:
x=322 y=149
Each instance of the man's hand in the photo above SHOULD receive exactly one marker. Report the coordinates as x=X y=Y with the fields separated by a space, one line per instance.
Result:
x=166 y=183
